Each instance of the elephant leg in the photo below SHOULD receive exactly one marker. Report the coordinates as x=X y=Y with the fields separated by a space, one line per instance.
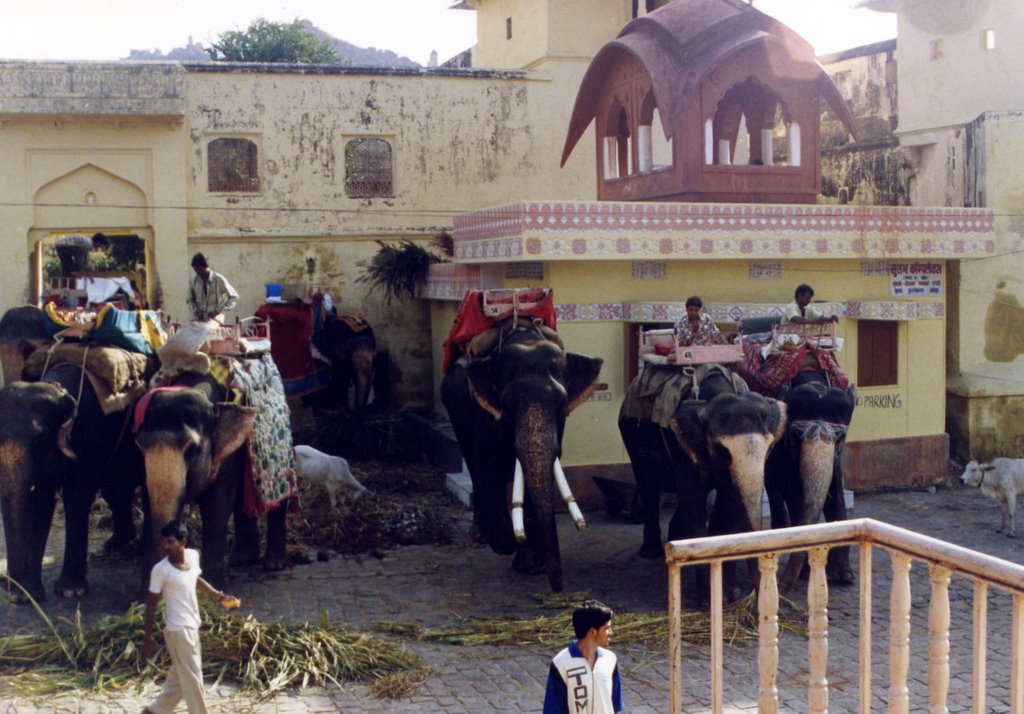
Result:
x=30 y=539
x=246 y=550
x=647 y=476
x=78 y=500
x=120 y=500
x=216 y=506
x=362 y=378
x=276 y=556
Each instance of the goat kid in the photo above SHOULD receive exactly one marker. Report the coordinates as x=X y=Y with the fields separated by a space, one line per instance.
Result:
x=331 y=472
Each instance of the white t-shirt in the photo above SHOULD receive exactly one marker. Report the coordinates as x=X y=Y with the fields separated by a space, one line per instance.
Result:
x=179 y=590
x=793 y=310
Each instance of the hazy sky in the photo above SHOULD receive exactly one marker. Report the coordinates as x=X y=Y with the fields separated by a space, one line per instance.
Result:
x=109 y=29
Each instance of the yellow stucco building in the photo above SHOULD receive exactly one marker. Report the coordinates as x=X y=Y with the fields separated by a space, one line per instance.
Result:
x=264 y=166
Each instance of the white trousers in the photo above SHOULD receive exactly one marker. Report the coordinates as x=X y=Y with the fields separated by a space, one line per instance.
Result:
x=185 y=677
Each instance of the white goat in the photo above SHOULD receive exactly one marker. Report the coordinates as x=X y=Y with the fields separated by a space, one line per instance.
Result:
x=331 y=472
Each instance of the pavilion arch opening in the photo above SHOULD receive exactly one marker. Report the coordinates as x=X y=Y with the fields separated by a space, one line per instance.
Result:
x=112 y=269
x=654 y=151
x=751 y=126
x=618 y=148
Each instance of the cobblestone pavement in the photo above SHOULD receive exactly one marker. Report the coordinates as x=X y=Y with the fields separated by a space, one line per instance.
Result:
x=435 y=585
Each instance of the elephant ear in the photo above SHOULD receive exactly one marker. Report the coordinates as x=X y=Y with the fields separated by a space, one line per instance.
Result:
x=234 y=426
x=775 y=420
x=689 y=426
x=480 y=375
x=581 y=374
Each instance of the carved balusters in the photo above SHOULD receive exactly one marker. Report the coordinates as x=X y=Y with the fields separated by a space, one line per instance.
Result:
x=817 y=624
x=866 y=584
x=899 y=634
x=768 y=633
x=938 y=640
x=675 y=638
x=717 y=650
x=1017 y=662
x=980 y=639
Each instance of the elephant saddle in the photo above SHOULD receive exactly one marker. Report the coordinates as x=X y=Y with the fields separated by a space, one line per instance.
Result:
x=471 y=320
x=117 y=375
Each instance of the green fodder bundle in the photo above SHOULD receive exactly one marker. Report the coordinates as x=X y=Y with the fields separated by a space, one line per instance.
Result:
x=262 y=657
x=397 y=269
x=740 y=623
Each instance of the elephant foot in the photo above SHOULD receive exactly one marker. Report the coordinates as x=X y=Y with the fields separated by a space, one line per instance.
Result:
x=20 y=594
x=274 y=563
x=476 y=534
x=837 y=569
x=528 y=561
x=650 y=551
x=68 y=587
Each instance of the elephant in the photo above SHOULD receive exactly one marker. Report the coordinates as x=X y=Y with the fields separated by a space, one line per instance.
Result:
x=22 y=330
x=352 y=347
x=508 y=410
x=658 y=462
x=805 y=473
x=50 y=443
x=190 y=437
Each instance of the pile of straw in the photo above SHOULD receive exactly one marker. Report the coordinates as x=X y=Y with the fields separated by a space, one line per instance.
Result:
x=740 y=622
x=409 y=506
x=263 y=658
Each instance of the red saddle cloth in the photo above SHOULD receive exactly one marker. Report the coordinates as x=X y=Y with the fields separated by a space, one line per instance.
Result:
x=292 y=327
x=471 y=319
x=769 y=376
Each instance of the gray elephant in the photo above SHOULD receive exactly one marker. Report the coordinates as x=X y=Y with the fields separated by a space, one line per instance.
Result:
x=805 y=473
x=508 y=410
x=54 y=443
x=22 y=330
x=191 y=436
x=658 y=462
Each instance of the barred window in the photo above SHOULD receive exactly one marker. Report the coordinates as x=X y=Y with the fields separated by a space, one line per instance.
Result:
x=368 y=168
x=232 y=166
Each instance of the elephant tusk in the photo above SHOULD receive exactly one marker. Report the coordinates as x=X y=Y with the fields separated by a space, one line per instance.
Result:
x=570 y=501
x=518 y=492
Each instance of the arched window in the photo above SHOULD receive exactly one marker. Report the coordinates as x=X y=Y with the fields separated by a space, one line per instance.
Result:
x=232 y=166
x=368 y=168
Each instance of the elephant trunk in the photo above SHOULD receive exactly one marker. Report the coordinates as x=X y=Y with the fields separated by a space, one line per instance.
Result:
x=817 y=457
x=166 y=473
x=537 y=450
x=748 y=453
x=27 y=515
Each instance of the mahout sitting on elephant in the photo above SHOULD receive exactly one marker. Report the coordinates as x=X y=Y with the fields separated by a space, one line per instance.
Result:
x=66 y=434
x=508 y=400
x=191 y=430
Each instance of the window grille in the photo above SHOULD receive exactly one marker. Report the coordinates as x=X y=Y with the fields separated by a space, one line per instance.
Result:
x=232 y=166
x=368 y=168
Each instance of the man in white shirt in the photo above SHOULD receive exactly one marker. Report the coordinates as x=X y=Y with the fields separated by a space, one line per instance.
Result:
x=584 y=677
x=209 y=293
x=177 y=577
x=800 y=311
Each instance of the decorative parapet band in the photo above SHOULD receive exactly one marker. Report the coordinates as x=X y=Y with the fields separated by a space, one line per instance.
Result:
x=725 y=312
x=608 y=230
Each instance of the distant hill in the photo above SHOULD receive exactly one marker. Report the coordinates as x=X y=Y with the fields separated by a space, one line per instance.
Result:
x=349 y=53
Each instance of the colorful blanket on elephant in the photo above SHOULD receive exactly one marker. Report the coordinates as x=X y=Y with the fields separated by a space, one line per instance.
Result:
x=135 y=330
x=294 y=327
x=656 y=392
x=470 y=321
x=270 y=456
x=118 y=376
x=769 y=376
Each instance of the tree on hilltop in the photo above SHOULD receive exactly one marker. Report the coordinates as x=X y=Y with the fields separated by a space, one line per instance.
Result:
x=266 y=41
